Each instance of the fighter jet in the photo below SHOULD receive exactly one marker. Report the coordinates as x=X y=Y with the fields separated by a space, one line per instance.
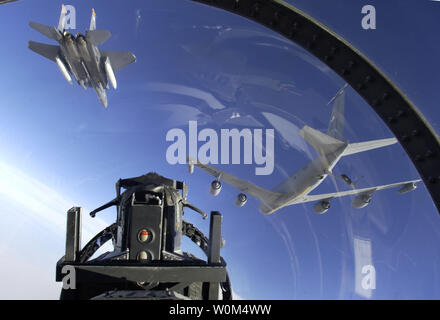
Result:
x=296 y=189
x=79 y=55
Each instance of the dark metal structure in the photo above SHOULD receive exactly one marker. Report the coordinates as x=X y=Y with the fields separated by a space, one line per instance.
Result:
x=401 y=116
x=6 y=1
x=147 y=262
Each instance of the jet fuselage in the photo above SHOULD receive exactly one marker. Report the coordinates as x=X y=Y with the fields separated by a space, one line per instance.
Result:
x=305 y=180
x=72 y=58
x=84 y=62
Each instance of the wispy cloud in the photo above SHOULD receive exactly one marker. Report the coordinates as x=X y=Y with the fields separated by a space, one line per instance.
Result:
x=42 y=201
x=236 y=296
x=32 y=235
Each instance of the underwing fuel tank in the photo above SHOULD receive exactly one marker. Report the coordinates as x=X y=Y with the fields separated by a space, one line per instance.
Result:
x=63 y=70
x=109 y=72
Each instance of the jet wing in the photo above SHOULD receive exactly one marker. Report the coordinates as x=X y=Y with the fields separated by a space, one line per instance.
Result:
x=119 y=59
x=46 y=50
x=242 y=185
x=369 y=191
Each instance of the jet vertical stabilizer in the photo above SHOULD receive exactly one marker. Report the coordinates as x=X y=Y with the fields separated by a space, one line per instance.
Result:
x=336 y=124
x=96 y=36
x=93 y=21
x=62 y=21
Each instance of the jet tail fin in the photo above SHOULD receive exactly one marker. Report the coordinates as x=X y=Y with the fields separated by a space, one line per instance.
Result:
x=353 y=148
x=62 y=20
x=93 y=20
x=336 y=124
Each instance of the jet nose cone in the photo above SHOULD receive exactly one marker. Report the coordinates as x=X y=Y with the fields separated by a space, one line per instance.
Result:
x=103 y=101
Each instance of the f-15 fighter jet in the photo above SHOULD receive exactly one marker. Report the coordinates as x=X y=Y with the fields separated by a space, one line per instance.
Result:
x=79 y=55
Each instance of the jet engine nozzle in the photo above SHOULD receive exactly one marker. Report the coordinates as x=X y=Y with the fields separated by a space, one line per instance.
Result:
x=241 y=200
x=407 y=188
x=321 y=207
x=361 y=201
x=82 y=46
x=215 y=187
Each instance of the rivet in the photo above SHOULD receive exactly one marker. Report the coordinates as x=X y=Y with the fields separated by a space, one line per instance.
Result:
x=391 y=119
x=429 y=154
x=368 y=79
x=275 y=19
x=255 y=9
x=360 y=86
x=400 y=113
x=405 y=138
x=376 y=103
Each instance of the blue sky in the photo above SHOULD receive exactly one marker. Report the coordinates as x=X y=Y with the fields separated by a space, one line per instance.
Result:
x=59 y=147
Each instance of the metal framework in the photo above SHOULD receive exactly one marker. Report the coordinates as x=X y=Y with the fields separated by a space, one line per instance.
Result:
x=402 y=117
x=181 y=274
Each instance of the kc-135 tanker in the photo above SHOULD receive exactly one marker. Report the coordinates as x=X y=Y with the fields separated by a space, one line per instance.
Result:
x=79 y=55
